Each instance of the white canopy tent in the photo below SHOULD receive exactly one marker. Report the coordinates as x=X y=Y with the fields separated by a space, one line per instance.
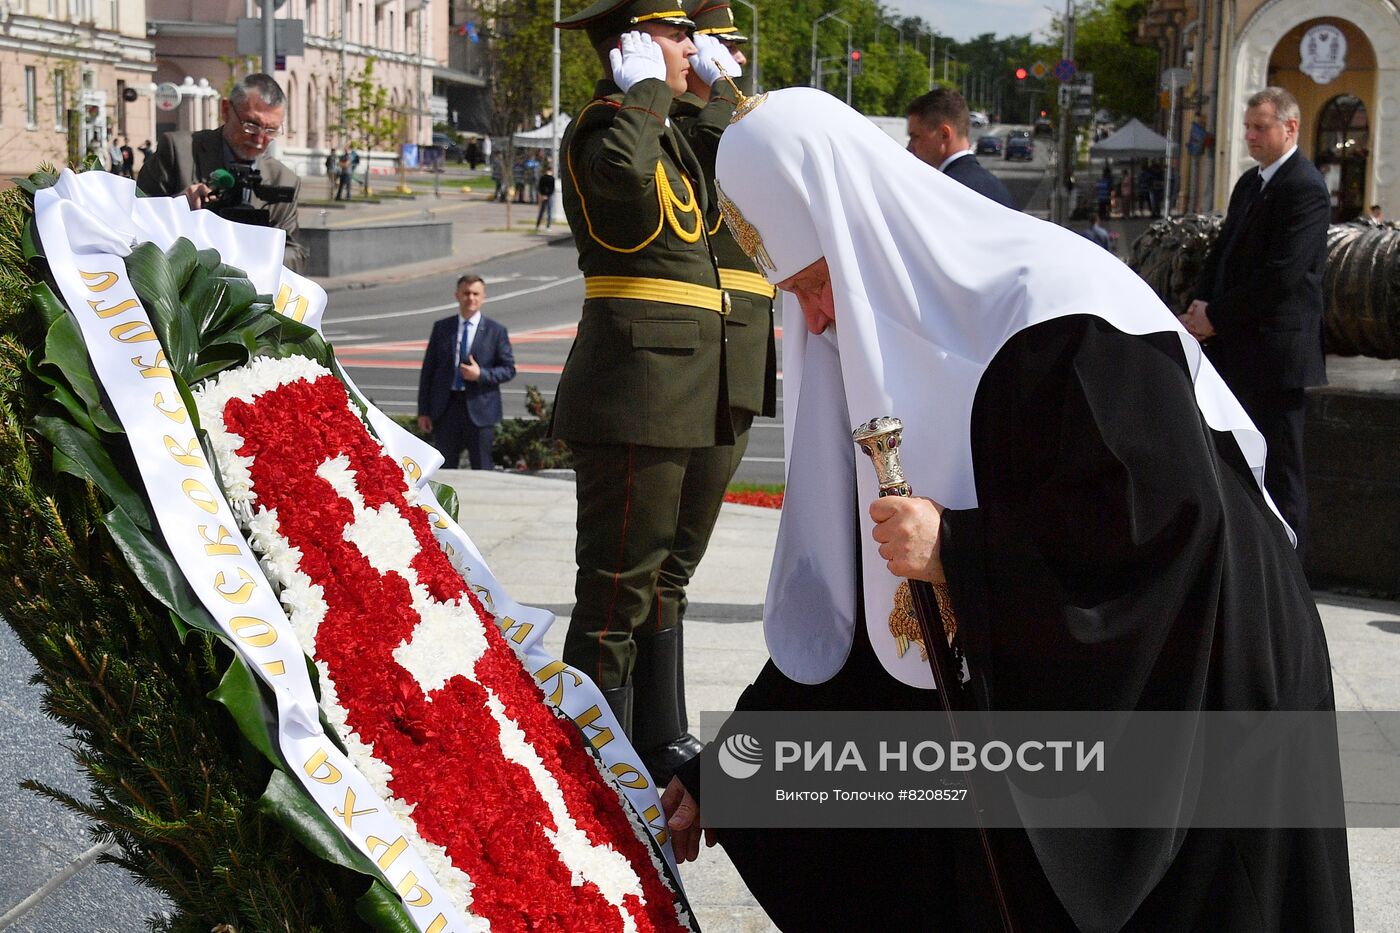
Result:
x=1133 y=140
x=541 y=137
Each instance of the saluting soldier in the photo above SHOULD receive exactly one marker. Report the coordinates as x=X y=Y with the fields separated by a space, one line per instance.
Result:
x=643 y=401
x=701 y=114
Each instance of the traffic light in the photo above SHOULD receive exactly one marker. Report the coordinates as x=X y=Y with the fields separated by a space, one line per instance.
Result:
x=1020 y=74
x=857 y=64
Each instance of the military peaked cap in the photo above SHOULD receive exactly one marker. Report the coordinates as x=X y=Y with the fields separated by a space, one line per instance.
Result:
x=714 y=18
x=608 y=18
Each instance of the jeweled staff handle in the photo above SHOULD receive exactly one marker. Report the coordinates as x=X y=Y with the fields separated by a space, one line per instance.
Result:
x=880 y=439
x=931 y=605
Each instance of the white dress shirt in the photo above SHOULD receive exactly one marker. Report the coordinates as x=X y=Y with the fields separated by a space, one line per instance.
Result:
x=943 y=166
x=1267 y=172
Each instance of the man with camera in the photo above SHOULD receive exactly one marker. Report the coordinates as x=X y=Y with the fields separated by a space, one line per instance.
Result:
x=227 y=170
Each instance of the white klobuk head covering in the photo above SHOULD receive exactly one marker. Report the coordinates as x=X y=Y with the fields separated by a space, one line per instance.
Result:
x=930 y=280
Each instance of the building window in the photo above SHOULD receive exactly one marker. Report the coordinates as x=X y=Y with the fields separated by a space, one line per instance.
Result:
x=31 y=97
x=1342 y=152
x=60 y=98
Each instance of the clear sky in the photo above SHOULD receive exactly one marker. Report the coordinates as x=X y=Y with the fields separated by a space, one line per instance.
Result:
x=964 y=19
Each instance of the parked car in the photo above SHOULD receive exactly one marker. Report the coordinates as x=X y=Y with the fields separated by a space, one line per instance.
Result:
x=990 y=144
x=977 y=118
x=1019 y=146
x=1043 y=127
x=452 y=151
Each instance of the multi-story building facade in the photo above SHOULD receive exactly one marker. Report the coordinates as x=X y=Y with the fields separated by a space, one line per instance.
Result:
x=1343 y=65
x=408 y=39
x=85 y=56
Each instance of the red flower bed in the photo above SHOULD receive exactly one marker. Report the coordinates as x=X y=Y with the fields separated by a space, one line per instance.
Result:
x=766 y=500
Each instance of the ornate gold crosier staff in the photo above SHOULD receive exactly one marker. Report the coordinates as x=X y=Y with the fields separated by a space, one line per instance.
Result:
x=933 y=623
x=919 y=614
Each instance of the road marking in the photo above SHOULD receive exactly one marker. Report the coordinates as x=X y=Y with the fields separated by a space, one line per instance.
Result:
x=438 y=309
x=533 y=368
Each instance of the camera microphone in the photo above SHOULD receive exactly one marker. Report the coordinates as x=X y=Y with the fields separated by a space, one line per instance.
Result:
x=221 y=180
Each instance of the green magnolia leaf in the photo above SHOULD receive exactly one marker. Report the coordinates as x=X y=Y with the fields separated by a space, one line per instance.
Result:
x=77 y=411
x=65 y=349
x=382 y=909
x=46 y=303
x=182 y=630
x=241 y=694
x=151 y=562
x=236 y=356
x=250 y=335
x=154 y=277
x=205 y=296
x=87 y=459
x=286 y=801
x=446 y=497
x=183 y=259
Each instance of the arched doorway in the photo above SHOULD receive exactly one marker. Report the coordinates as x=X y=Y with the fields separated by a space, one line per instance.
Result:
x=1342 y=150
x=1264 y=52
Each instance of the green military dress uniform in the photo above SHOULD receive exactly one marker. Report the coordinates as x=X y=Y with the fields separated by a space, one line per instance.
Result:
x=644 y=396
x=752 y=359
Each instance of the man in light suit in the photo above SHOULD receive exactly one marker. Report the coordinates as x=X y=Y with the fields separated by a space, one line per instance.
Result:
x=1258 y=304
x=939 y=126
x=252 y=116
x=459 y=390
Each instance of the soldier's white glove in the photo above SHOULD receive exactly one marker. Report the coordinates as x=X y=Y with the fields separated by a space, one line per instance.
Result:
x=710 y=50
x=638 y=58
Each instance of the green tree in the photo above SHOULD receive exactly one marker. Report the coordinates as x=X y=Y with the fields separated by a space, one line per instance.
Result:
x=368 y=119
x=1125 y=74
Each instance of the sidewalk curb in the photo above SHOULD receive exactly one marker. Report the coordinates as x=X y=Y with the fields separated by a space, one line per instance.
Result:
x=439 y=266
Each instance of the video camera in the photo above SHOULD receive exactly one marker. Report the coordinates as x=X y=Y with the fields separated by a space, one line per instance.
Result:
x=229 y=186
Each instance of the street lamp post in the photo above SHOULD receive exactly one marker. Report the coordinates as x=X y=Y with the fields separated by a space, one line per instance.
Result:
x=556 y=197
x=932 y=44
x=756 y=86
x=817 y=22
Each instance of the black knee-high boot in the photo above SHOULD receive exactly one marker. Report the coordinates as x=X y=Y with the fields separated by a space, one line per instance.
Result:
x=658 y=717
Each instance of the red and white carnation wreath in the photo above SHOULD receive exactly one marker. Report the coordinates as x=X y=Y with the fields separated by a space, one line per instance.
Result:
x=497 y=791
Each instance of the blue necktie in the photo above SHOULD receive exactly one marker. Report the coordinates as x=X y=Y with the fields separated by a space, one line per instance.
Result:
x=458 y=383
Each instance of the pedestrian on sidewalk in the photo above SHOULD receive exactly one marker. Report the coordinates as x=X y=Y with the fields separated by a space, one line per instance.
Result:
x=332 y=173
x=344 y=177
x=1098 y=233
x=1103 y=192
x=1125 y=193
x=546 y=191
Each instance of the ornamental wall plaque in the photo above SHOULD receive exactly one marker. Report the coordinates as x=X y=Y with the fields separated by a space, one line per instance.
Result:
x=1324 y=53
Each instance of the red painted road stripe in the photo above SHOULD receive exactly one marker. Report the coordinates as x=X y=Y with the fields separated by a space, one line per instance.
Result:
x=538 y=368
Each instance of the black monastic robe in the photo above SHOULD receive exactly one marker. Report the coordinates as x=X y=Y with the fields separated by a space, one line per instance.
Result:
x=1121 y=557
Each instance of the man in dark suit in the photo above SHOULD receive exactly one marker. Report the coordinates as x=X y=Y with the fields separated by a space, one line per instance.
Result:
x=939 y=126
x=459 y=390
x=252 y=117
x=1258 y=304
